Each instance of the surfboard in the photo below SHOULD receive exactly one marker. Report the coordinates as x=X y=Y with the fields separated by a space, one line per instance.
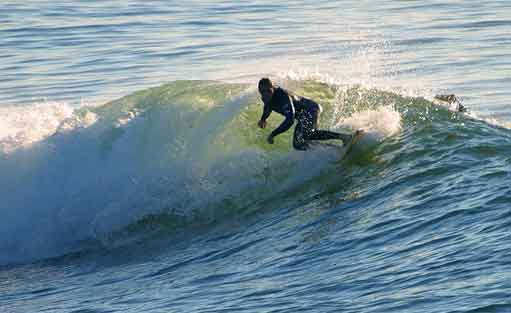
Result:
x=344 y=150
x=356 y=137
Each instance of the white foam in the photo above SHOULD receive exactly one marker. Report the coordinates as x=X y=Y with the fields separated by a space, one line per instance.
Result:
x=21 y=126
x=384 y=121
x=490 y=120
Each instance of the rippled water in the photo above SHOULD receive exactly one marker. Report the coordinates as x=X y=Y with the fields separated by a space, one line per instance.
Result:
x=78 y=50
x=169 y=199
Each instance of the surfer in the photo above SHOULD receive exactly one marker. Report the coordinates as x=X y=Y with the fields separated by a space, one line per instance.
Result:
x=305 y=111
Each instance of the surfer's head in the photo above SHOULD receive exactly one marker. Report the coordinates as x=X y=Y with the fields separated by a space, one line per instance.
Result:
x=265 y=89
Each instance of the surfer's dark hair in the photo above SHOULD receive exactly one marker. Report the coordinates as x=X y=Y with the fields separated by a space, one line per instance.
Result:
x=265 y=82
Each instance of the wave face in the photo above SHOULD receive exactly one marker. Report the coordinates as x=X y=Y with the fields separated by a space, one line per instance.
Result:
x=183 y=149
x=190 y=149
x=425 y=183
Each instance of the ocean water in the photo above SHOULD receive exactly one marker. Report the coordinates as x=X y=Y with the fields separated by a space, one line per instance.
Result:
x=133 y=177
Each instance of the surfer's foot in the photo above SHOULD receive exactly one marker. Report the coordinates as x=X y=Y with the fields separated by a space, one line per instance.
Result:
x=349 y=138
x=345 y=138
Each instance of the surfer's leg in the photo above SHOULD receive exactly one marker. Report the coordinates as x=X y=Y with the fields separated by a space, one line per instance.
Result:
x=319 y=134
x=299 y=142
x=313 y=133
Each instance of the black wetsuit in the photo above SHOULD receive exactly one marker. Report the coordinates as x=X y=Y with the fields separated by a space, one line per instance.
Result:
x=305 y=111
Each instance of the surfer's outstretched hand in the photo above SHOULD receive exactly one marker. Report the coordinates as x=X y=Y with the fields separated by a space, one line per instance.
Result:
x=261 y=124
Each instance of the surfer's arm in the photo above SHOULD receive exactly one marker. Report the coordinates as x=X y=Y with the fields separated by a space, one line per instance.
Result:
x=289 y=113
x=284 y=126
x=266 y=112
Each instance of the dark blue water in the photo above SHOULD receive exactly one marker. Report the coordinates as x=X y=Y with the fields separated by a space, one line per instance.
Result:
x=134 y=178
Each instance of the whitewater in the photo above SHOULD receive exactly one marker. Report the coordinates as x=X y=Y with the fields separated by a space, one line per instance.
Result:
x=134 y=177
